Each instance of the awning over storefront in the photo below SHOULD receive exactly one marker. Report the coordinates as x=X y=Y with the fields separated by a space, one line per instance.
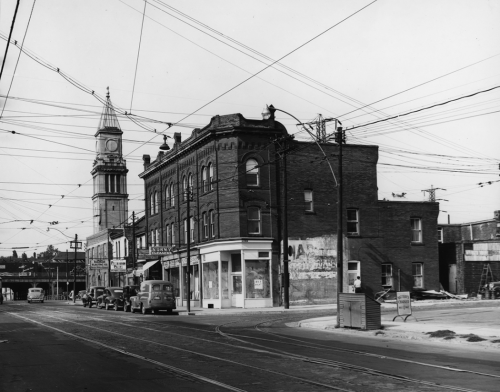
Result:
x=148 y=265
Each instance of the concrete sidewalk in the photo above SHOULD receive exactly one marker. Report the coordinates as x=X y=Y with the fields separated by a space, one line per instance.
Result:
x=419 y=326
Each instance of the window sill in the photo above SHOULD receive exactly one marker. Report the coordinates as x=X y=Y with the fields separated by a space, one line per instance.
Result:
x=309 y=213
x=353 y=235
x=417 y=244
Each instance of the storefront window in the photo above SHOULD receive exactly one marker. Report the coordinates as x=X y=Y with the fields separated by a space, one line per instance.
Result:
x=257 y=279
x=211 y=280
x=225 y=279
x=174 y=279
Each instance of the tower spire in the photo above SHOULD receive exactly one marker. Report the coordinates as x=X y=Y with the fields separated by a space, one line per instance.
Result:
x=108 y=116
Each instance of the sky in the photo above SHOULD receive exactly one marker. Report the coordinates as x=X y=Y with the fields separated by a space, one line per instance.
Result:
x=179 y=62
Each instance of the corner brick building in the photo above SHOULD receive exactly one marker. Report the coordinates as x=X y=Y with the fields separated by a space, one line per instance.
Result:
x=235 y=175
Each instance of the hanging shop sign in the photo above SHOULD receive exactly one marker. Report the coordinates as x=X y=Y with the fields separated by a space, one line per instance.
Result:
x=160 y=250
x=98 y=263
x=118 y=265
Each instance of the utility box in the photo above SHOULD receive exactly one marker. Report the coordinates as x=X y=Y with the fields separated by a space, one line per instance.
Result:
x=359 y=311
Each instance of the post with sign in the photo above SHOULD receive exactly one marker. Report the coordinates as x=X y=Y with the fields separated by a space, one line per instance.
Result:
x=77 y=245
x=403 y=301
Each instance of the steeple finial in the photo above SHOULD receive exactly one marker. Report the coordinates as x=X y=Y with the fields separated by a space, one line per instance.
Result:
x=108 y=117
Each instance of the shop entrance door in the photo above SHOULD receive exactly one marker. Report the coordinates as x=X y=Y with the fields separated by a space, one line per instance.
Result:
x=236 y=291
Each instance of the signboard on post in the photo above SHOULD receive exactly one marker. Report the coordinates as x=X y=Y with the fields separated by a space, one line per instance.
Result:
x=118 y=265
x=403 y=301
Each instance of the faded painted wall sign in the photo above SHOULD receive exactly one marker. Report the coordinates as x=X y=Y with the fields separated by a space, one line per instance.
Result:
x=313 y=270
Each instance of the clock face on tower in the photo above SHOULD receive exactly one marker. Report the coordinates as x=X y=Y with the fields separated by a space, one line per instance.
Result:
x=112 y=145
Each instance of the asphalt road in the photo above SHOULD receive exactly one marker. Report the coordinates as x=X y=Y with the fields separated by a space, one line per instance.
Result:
x=54 y=347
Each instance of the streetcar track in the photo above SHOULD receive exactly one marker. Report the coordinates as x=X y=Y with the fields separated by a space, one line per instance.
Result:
x=265 y=349
x=301 y=379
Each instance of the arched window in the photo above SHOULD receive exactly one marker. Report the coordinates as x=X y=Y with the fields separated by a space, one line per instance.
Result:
x=157 y=238
x=152 y=238
x=167 y=231
x=156 y=203
x=190 y=182
x=172 y=195
x=172 y=233
x=253 y=220
x=204 y=179
x=210 y=176
x=151 y=204
x=252 y=172
x=184 y=188
x=167 y=196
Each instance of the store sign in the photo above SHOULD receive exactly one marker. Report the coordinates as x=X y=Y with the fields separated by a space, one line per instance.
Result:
x=98 y=263
x=404 y=303
x=118 y=265
x=258 y=284
x=160 y=250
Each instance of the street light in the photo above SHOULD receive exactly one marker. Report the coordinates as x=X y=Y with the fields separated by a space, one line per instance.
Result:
x=268 y=114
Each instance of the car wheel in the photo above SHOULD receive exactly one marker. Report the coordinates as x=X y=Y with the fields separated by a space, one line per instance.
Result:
x=143 y=310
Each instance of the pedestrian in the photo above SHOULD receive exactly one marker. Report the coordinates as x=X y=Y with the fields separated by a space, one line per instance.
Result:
x=357 y=285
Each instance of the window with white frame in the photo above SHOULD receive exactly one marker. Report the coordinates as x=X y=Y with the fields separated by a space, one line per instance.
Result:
x=205 y=224
x=416 y=230
x=308 y=200
x=418 y=275
x=387 y=275
x=253 y=220
x=352 y=221
x=440 y=234
x=212 y=223
x=252 y=172
x=210 y=176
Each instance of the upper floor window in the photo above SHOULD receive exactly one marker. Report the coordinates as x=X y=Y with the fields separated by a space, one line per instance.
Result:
x=252 y=172
x=191 y=227
x=184 y=188
x=418 y=275
x=167 y=233
x=212 y=223
x=157 y=238
x=172 y=234
x=151 y=204
x=156 y=202
x=308 y=200
x=387 y=275
x=352 y=221
x=253 y=220
x=204 y=179
x=112 y=183
x=416 y=230
x=172 y=195
x=205 y=224
x=440 y=234
x=210 y=176
x=167 y=196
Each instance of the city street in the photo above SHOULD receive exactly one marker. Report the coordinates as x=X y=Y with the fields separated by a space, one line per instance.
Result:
x=54 y=346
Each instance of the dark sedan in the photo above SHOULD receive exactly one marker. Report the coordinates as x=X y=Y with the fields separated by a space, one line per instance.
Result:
x=112 y=298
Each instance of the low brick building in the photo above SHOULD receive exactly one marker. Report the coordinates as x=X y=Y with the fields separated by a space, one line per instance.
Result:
x=465 y=250
x=234 y=174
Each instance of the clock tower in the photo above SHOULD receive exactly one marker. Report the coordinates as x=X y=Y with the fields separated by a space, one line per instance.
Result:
x=110 y=197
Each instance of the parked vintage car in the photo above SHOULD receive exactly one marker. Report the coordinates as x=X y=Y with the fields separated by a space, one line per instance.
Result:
x=89 y=298
x=111 y=298
x=154 y=295
x=36 y=294
x=128 y=291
